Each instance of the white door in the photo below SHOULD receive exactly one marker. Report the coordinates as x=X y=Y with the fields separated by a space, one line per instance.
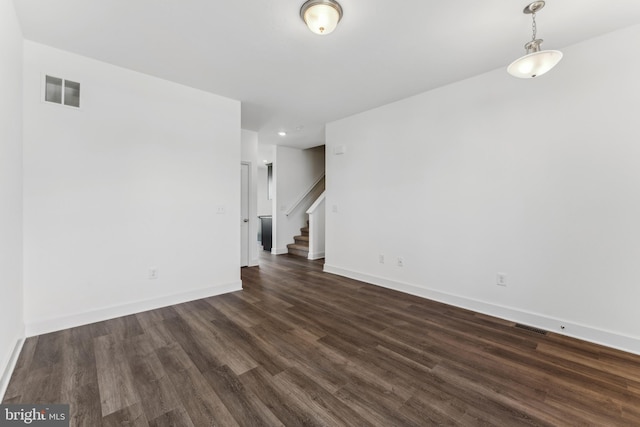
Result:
x=244 y=215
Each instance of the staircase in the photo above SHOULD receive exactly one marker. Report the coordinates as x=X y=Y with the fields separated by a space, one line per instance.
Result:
x=301 y=245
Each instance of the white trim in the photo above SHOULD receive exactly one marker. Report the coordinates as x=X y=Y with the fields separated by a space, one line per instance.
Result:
x=250 y=224
x=303 y=195
x=43 y=326
x=575 y=330
x=315 y=255
x=11 y=366
x=315 y=204
x=276 y=251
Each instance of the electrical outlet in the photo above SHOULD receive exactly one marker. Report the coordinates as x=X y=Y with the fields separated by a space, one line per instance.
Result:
x=220 y=210
x=153 y=273
x=400 y=262
x=381 y=259
x=501 y=279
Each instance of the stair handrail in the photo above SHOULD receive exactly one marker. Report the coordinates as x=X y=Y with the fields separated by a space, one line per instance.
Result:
x=304 y=195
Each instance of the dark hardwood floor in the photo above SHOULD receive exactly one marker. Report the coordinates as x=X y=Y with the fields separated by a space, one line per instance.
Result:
x=300 y=347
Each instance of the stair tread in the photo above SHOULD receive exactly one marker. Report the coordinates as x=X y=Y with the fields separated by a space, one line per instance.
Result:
x=305 y=238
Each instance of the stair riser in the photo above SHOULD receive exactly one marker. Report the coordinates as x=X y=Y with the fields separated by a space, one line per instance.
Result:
x=297 y=252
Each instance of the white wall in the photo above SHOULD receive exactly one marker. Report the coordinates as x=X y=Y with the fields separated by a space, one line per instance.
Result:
x=249 y=154
x=294 y=172
x=538 y=179
x=11 y=316
x=132 y=180
x=317 y=222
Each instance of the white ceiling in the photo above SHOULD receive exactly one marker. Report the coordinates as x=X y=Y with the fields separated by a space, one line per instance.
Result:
x=261 y=53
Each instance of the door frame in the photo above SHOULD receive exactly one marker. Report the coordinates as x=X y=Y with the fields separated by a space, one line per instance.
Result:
x=250 y=223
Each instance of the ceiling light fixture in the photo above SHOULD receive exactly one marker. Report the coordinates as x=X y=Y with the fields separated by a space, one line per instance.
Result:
x=282 y=133
x=536 y=62
x=321 y=16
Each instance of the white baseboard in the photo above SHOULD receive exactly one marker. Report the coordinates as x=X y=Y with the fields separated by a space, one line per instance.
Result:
x=315 y=255
x=44 y=326
x=276 y=251
x=575 y=330
x=11 y=365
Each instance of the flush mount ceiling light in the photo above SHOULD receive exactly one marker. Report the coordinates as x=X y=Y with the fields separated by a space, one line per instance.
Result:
x=536 y=62
x=321 y=16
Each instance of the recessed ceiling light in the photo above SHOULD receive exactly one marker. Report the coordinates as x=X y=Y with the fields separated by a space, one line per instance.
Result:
x=282 y=133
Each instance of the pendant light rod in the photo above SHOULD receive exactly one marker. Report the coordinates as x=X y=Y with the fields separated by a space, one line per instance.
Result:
x=533 y=7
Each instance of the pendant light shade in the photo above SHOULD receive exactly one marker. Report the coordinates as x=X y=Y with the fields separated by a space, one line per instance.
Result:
x=321 y=16
x=536 y=62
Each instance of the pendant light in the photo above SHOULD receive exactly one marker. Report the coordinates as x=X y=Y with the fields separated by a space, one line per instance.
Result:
x=536 y=62
x=321 y=16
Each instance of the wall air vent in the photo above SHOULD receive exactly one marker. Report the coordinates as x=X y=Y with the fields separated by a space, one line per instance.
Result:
x=531 y=329
x=60 y=91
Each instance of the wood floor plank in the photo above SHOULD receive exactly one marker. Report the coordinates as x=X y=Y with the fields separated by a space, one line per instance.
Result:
x=246 y=342
x=202 y=403
x=49 y=349
x=79 y=362
x=21 y=372
x=159 y=335
x=84 y=405
x=326 y=366
x=150 y=378
x=148 y=319
x=374 y=407
x=80 y=378
x=242 y=312
x=241 y=402
x=200 y=352
x=26 y=355
x=278 y=399
x=430 y=411
x=173 y=418
x=43 y=385
x=300 y=347
x=209 y=342
x=130 y=416
x=125 y=327
x=325 y=401
x=115 y=380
